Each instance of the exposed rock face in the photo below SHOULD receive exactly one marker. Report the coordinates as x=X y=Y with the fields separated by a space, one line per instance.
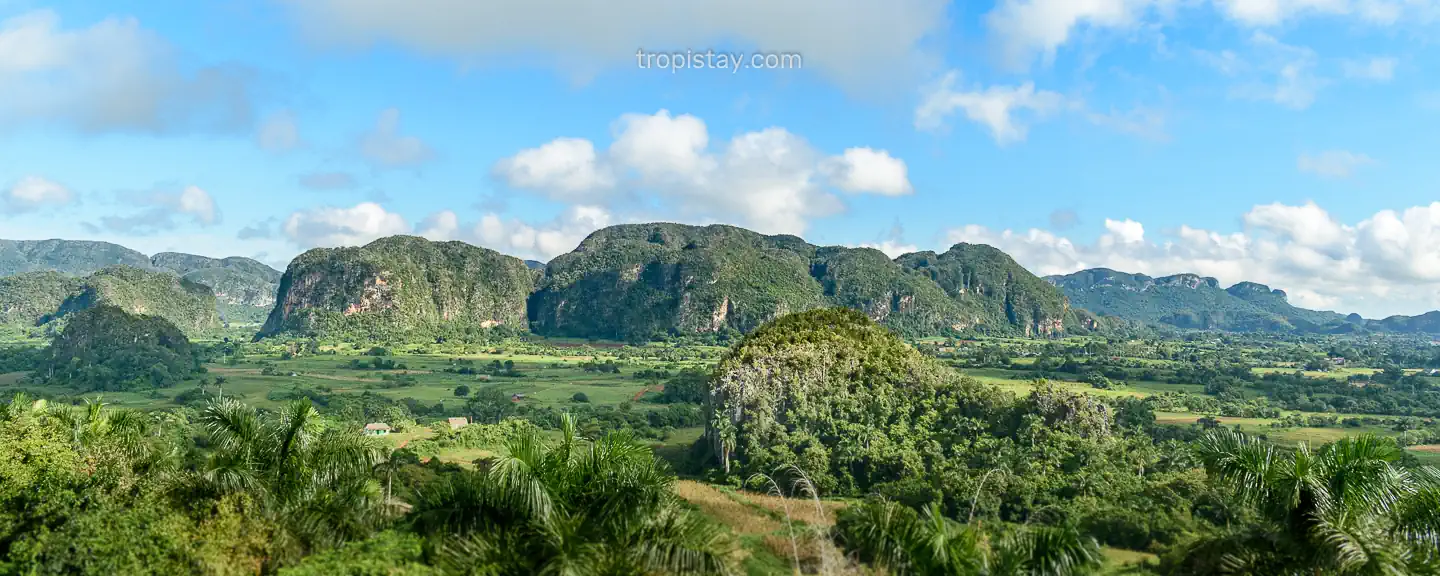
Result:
x=400 y=284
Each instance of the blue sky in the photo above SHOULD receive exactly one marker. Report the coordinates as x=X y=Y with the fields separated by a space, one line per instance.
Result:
x=1290 y=142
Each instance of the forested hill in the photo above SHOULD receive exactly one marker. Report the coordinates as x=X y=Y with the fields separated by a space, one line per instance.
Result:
x=40 y=298
x=1192 y=301
x=401 y=285
x=640 y=280
x=244 y=288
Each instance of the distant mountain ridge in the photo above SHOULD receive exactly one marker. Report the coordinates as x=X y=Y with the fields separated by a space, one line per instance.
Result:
x=1198 y=302
x=638 y=281
x=244 y=288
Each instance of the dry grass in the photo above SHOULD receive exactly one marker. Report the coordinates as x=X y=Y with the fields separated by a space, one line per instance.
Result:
x=1430 y=448
x=741 y=519
x=801 y=509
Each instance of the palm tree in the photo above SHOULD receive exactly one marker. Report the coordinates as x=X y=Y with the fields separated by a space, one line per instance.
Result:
x=901 y=540
x=1345 y=508
x=574 y=506
x=313 y=482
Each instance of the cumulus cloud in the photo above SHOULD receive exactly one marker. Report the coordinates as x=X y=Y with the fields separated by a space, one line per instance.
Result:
x=1386 y=264
x=565 y=169
x=33 y=193
x=770 y=180
x=862 y=44
x=334 y=226
x=385 y=147
x=518 y=238
x=111 y=76
x=866 y=169
x=278 y=133
x=327 y=181
x=164 y=210
x=544 y=241
x=1332 y=163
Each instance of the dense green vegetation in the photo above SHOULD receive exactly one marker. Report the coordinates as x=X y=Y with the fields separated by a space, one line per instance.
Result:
x=28 y=298
x=877 y=455
x=636 y=282
x=400 y=286
x=244 y=288
x=108 y=349
x=1029 y=438
x=38 y=298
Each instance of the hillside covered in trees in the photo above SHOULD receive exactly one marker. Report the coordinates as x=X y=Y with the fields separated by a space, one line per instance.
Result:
x=401 y=285
x=244 y=288
x=641 y=280
x=39 y=298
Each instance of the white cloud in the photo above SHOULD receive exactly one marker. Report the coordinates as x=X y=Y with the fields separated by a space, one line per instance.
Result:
x=1374 y=69
x=278 y=132
x=333 y=226
x=1333 y=163
x=34 y=192
x=1024 y=29
x=112 y=75
x=862 y=44
x=995 y=107
x=1272 y=12
x=770 y=180
x=869 y=170
x=892 y=248
x=385 y=147
x=566 y=169
x=440 y=226
x=540 y=242
x=162 y=210
x=1386 y=264
x=197 y=203
x=1125 y=231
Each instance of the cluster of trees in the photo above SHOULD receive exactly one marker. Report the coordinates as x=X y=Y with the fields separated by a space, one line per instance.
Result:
x=104 y=491
x=859 y=414
x=105 y=348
